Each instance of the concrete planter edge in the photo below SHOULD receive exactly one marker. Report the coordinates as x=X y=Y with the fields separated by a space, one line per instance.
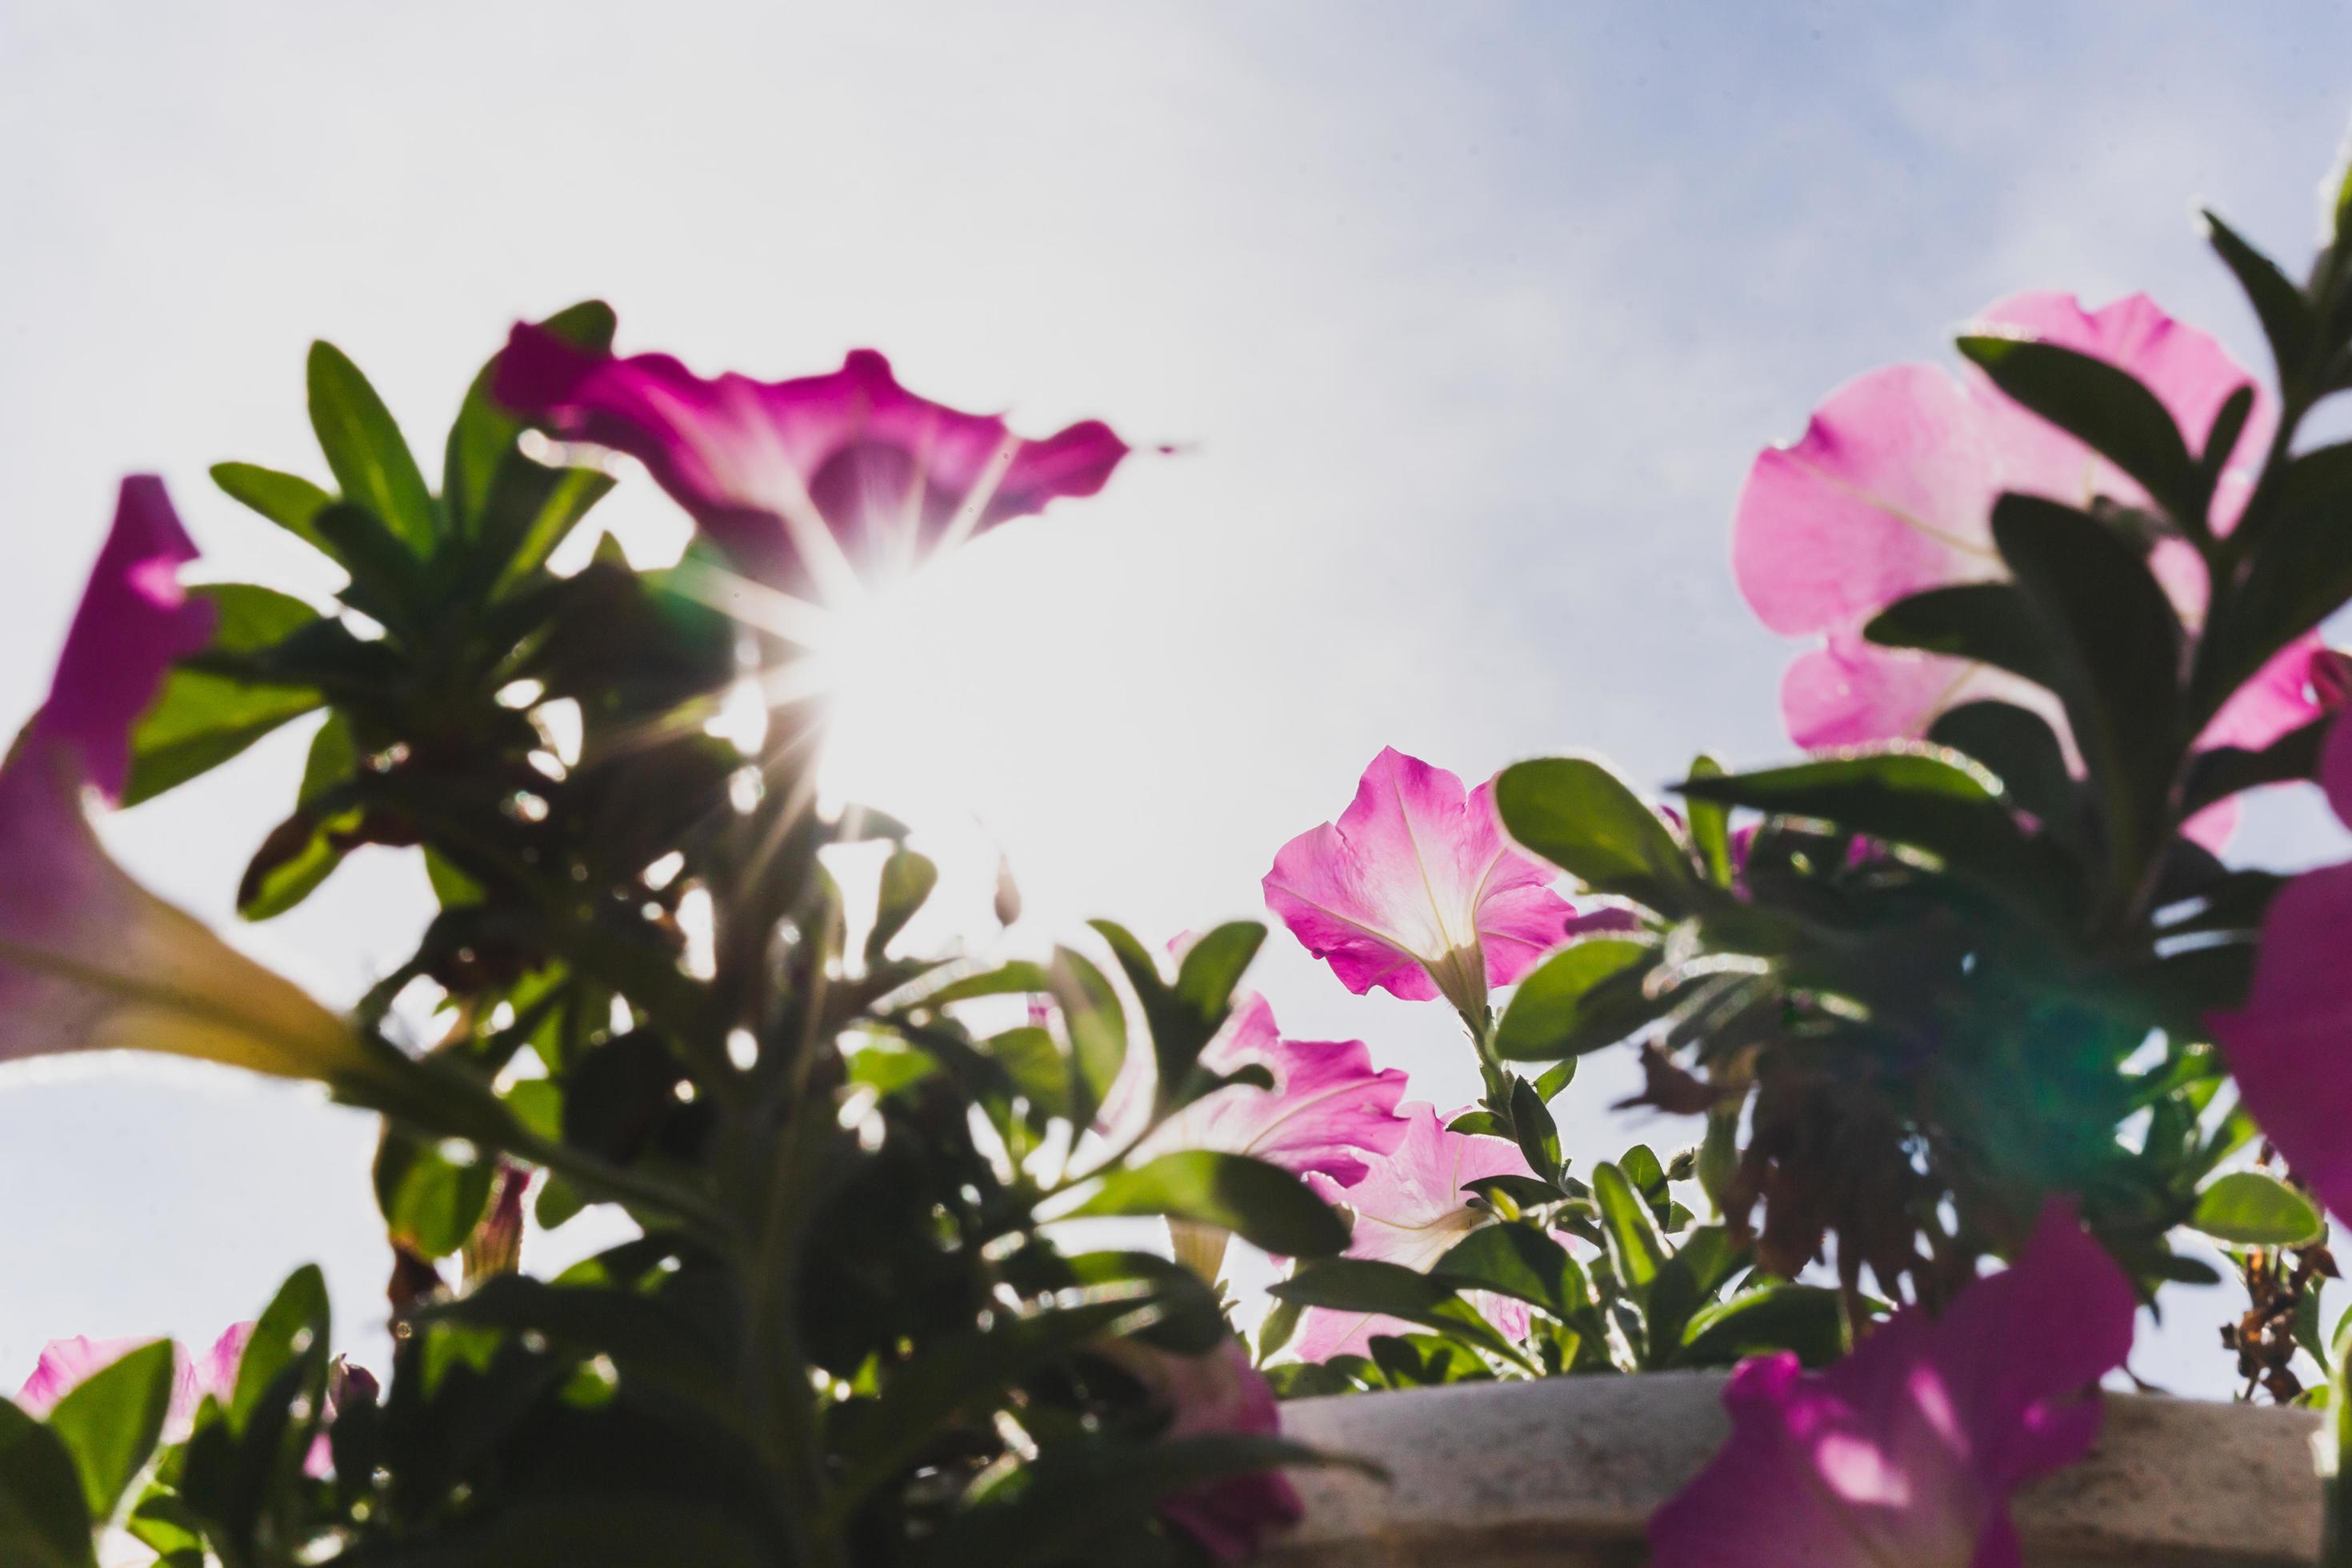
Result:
x=1564 y=1473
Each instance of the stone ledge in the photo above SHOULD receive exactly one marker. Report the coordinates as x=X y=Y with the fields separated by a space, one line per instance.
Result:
x=1564 y=1473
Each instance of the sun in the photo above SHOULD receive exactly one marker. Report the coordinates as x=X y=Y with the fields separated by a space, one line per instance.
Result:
x=931 y=687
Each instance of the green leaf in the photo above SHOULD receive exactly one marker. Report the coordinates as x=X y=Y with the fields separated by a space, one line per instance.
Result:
x=1034 y=1064
x=2226 y=770
x=1633 y=1244
x=2279 y=305
x=1510 y=1195
x=452 y=887
x=971 y=1371
x=2221 y=439
x=1185 y=1016
x=111 y=1420
x=305 y=849
x=201 y=719
x=2299 y=573
x=43 y=1523
x=1988 y=623
x=1484 y=1123
x=1687 y=1282
x=364 y=446
x=649 y=1336
x=531 y=509
x=430 y=1201
x=1587 y=995
x=1877 y=791
x=161 y=1520
x=2253 y=1208
x=285 y=500
x=1520 y=1261
x=1076 y=1493
x=2020 y=750
x=1264 y=1204
x=1387 y=1289
x=1641 y=1170
x=1800 y=1317
x=1710 y=827
x=388 y=583
x=558 y=1204
x=1532 y=1124
x=1096 y=1022
x=2103 y=405
x=907 y=879
x=2116 y=648
x=1581 y=817
x=1205 y=979
x=1556 y=1078
x=580 y=1528
x=292 y=1328
x=483 y=435
x=1008 y=980
x=1275 y=1329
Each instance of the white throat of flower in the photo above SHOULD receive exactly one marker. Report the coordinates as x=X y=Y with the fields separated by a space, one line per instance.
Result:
x=1460 y=973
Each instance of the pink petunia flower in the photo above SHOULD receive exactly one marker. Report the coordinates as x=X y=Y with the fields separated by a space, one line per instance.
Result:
x=1890 y=492
x=802 y=482
x=1907 y=1450
x=92 y=960
x=1410 y=1211
x=66 y=1364
x=1210 y=1395
x=1416 y=891
x=2290 y=1043
x=1328 y=1109
x=135 y=618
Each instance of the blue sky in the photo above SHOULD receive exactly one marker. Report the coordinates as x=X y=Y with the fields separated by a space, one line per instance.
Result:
x=1469 y=317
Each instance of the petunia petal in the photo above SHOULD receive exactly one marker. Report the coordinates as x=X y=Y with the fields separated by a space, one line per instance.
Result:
x=773 y=469
x=1328 y=1109
x=1906 y=1451
x=1416 y=891
x=90 y=960
x=1890 y=491
x=1410 y=1210
x=2290 y=1044
x=2190 y=372
x=1209 y=1396
x=135 y=618
x=64 y=1363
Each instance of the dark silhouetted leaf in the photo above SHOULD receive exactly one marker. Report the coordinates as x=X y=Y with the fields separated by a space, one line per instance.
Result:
x=1264 y=1204
x=2105 y=406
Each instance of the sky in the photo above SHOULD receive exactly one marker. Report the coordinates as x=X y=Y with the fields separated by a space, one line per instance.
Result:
x=1465 y=322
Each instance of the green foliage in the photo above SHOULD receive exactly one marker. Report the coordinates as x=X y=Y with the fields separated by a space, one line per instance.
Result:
x=1581 y=817
x=1264 y=1204
x=111 y=1421
x=44 y=1522
x=2112 y=413
x=1913 y=991
x=1665 y=1292
x=201 y=719
x=2253 y=1208
x=1585 y=997
x=1946 y=982
x=845 y=1333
